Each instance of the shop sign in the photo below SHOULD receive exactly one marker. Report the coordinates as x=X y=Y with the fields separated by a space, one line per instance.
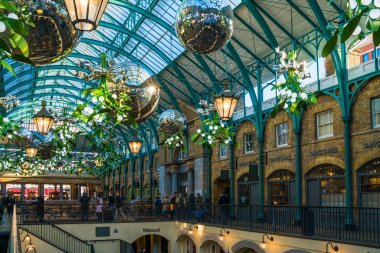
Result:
x=327 y=151
x=151 y=230
x=372 y=144
x=280 y=158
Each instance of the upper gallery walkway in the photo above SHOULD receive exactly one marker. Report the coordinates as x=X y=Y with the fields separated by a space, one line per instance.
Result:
x=322 y=223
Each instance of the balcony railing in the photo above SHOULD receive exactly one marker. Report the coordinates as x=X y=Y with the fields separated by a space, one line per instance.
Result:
x=327 y=223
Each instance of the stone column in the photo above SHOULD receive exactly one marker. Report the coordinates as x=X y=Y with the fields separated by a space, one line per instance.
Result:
x=190 y=181
x=168 y=186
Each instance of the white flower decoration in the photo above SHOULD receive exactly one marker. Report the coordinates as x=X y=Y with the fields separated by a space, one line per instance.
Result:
x=6 y=120
x=101 y=99
x=199 y=131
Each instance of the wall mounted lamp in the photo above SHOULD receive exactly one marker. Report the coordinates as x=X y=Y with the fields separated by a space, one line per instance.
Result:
x=334 y=247
x=191 y=231
x=263 y=243
x=227 y=232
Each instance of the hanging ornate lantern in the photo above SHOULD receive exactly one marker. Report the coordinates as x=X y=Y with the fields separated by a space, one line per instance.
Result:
x=31 y=151
x=43 y=120
x=225 y=102
x=86 y=14
x=135 y=145
x=171 y=121
x=204 y=26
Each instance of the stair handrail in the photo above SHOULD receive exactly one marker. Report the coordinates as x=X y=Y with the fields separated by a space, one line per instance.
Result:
x=42 y=221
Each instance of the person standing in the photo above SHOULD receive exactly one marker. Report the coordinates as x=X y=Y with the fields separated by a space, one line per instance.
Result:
x=223 y=207
x=111 y=204
x=99 y=208
x=41 y=208
x=84 y=200
x=158 y=205
x=2 y=208
x=119 y=207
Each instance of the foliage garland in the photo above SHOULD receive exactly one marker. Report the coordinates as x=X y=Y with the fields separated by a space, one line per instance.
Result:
x=14 y=22
x=172 y=141
x=293 y=97
x=109 y=107
x=357 y=10
x=213 y=130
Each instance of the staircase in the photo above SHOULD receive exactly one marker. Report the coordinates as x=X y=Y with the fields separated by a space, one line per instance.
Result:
x=54 y=235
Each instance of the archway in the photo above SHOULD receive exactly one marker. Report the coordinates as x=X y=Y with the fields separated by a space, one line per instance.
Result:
x=211 y=246
x=246 y=247
x=325 y=186
x=186 y=244
x=221 y=185
x=281 y=188
x=296 y=251
x=369 y=184
x=152 y=243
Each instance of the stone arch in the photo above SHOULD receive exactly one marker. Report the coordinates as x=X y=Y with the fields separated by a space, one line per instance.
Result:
x=142 y=235
x=241 y=123
x=368 y=81
x=324 y=160
x=246 y=244
x=184 y=236
x=207 y=242
x=296 y=251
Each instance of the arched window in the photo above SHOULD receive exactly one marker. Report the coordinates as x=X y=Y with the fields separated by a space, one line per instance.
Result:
x=369 y=184
x=325 y=186
x=281 y=188
x=248 y=189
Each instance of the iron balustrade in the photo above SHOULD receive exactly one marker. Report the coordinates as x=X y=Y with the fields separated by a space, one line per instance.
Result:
x=49 y=232
x=326 y=223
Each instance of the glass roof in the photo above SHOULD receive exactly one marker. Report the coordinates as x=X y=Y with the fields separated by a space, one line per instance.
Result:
x=143 y=31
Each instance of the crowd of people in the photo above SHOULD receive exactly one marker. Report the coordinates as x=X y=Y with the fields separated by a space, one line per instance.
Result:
x=177 y=206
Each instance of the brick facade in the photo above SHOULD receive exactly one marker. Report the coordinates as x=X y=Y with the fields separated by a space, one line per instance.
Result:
x=314 y=151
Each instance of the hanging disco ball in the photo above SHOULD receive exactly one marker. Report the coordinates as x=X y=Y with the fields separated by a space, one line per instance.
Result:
x=204 y=26
x=142 y=88
x=46 y=146
x=25 y=137
x=171 y=121
x=53 y=37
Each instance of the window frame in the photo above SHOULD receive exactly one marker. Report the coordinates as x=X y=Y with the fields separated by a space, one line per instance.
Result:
x=287 y=135
x=372 y=112
x=332 y=123
x=220 y=150
x=245 y=143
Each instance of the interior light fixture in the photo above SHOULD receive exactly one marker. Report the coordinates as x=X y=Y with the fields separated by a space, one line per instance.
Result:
x=263 y=243
x=227 y=232
x=43 y=120
x=86 y=14
x=135 y=145
x=334 y=247
x=226 y=101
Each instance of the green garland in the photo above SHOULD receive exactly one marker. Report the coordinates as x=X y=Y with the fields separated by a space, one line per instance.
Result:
x=357 y=10
x=14 y=22
x=214 y=130
x=172 y=141
x=293 y=97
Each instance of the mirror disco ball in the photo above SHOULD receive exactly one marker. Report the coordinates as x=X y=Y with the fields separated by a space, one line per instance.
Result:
x=53 y=36
x=204 y=26
x=139 y=84
x=46 y=146
x=26 y=137
x=171 y=121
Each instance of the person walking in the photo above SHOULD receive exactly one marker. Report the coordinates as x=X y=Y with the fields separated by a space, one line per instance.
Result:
x=99 y=208
x=84 y=200
x=10 y=202
x=119 y=207
x=41 y=208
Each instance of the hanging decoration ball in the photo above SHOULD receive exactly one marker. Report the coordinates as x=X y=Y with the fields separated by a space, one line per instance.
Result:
x=171 y=121
x=53 y=37
x=141 y=86
x=25 y=166
x=46 y=146
x=204 y=26
x=25 y=137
